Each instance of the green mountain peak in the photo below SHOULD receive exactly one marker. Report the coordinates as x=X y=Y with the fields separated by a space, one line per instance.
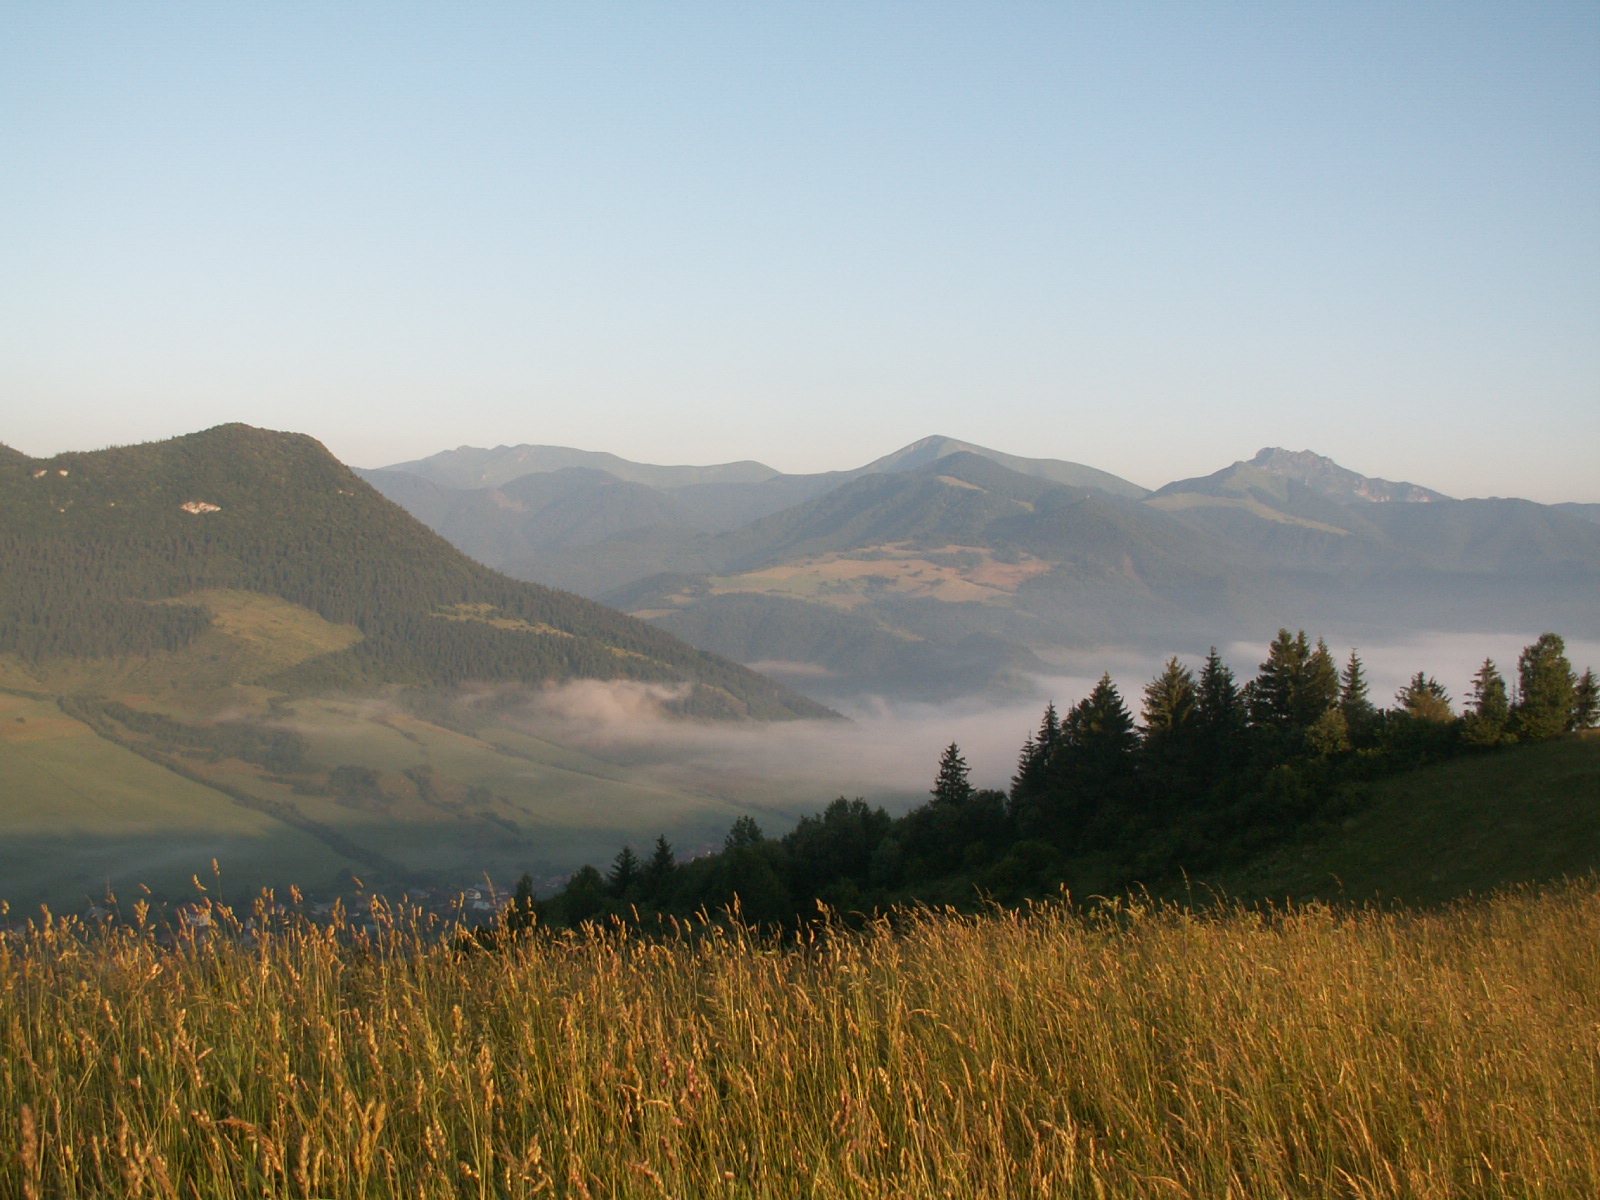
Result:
x=106 y=551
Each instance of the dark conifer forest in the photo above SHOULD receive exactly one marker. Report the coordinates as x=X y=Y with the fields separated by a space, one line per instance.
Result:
x=98 y=545
x=1212 y=772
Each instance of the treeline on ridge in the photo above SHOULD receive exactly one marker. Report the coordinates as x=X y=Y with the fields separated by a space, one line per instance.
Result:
x=1215 y=772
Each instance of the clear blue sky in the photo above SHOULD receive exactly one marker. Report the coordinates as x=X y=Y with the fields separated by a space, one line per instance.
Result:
x=1152 y=238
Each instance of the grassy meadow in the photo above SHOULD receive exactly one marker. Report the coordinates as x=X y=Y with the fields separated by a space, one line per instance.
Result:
x=1470 y=825
x=1131 y=1051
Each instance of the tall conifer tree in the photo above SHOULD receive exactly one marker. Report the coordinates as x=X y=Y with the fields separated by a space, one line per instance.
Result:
x=1220 y=718
x=1354 y=703
x=1320 y=689
x=1273 y=694
x=624 y=871
x=1488 y=708
x=1033 y=762
x=1586 y=701
x=952 y=787
x=659 y=870
x=1425 y=699
x=1295 y=686
x=1171 y=734
x=1546 y=690
x=1169 y=700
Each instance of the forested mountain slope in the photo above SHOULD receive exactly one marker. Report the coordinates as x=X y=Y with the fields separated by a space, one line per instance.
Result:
x=536 y=514
x=1053 y=470
x=1588 y=512
x=507 y=501
x=102 y=548
x=942 y=579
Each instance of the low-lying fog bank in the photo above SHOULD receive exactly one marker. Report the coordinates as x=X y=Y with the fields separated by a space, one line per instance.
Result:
x=888 y=750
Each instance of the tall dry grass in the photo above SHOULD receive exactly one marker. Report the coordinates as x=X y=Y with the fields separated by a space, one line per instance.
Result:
x=1141 y=1053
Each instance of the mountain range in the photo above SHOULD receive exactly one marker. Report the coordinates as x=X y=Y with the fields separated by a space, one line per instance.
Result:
x=230 y=645
x=947 y=567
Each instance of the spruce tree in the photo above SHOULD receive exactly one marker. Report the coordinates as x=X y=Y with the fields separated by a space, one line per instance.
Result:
x=624 y=871
x=1033 y=761
x=951 y=787
x=1098 y=740
x=1090 y=768
x=1101 y=725
x=743 y=832
x=1424 y=699
x=1546 y=690
x=584 y=896
x=1357 y=709
x=1169 y=700
x=1320 y=689
x=1489 y=710
x=1296 y=685
x=659 y=870
x=1586 y=701
x=1220 y=718
x=1271 y=695
x=1171 y=731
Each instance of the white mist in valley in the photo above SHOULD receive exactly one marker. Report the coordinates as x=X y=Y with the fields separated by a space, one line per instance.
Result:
x=888 y=750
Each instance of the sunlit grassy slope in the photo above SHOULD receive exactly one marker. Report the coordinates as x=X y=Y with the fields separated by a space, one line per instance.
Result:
x=1521 y=814
x=1139 y=1054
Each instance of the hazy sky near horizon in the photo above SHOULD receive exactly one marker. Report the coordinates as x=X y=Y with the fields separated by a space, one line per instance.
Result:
x=1148 y=237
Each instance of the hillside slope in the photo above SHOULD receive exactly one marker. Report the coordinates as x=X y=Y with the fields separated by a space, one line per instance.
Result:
x=103 y=548
x=1367 y=550
x=502 y=505
x=475 y=467
x=1525 y=814
x=1052 y=470
x=228 y=646
x=1301 y=512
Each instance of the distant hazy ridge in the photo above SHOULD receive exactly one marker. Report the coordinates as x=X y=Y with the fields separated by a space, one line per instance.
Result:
x=946 y=566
